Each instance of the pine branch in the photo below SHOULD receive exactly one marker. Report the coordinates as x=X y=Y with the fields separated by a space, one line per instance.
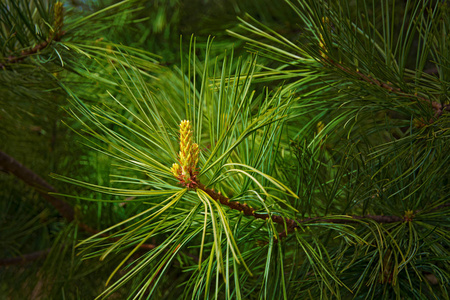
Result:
x=34 y=180
x=247 y=210
x=292 y=224
x=24 y=54
x=54 y=36
x=437 y=107
x=23 y=259
x=8 y=163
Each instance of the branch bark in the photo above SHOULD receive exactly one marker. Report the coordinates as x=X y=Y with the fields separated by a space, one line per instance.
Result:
x=438 y=108
x=292 y=224
x=23 y=259
x=9 y=164
x=32 y=179
x=24 y=54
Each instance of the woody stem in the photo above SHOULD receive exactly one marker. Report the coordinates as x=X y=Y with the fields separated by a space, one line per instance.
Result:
x=292 y=224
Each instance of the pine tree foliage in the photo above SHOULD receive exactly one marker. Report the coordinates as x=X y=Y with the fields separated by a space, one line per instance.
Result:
x=310 y=165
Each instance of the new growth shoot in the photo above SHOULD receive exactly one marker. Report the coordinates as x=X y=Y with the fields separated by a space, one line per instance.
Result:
x=186 y=169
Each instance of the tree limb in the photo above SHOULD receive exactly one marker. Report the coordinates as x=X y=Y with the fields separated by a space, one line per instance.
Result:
x=32 y=179
x=437 y=107
x=23 y=259
x=24 y=54
x=292 y=224
x=8 y=163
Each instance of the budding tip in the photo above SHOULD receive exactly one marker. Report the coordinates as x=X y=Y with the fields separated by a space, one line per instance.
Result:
x=188 y=156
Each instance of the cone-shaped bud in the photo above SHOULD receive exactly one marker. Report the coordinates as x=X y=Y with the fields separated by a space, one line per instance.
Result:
x=194 y=157
x=320 y=126
x=175 y=170
x=59 y=17
x=326 y=26
x=187 y=157
x=322 y=50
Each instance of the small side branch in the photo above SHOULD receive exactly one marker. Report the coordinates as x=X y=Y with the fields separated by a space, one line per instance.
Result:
x=292 y=224
x=247 y=210
x=9 y=164
x=54 y=36
x=23 y=259
x=438 y=108
x=24 y=54
x=32 y=179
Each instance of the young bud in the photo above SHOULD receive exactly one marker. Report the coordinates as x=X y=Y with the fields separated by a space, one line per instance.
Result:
x=187 y=157
x=59 y=16
x=175 y=170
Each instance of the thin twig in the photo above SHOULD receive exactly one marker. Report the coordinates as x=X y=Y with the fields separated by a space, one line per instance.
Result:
x=292 y=224
x=24 y=54
x=42 y=187
x=23 y=259
x=34 y=180
x=247 y=210
x=437 y=107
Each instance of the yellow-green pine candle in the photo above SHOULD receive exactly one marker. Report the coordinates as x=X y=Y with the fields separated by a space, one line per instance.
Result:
x=195 y=152
x=185 y=148
x=187 y=157
x=59 y=17
x=175 y=170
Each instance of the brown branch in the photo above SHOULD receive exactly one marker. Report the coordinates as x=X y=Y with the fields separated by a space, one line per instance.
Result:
x=34 y=180
x=350 y=219
x=437 y=107
x=292 y=224
x=247 y=210
x=55 y=35
x=23 y=259
x=24 y=54
x=8 y=163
